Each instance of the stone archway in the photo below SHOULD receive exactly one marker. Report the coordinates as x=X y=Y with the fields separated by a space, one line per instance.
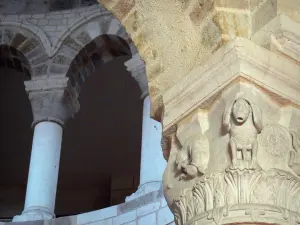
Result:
x=103 y=116
x=78 y=37
x=27 y=40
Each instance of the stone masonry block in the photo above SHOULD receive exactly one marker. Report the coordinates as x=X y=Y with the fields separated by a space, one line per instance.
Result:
x=54 y=33
x=43 y=22
x=144 y=210
x=49 y=28
x=239 y=4
x=69 y=15
x=97 y=215
x=233 y=24
x=263 y=14
x=164 y=216
x=55 y=22
x=124 y=7
x=33 y=21
x=149 y=219
x=255 y=3
x=12 y=17
x=61 y=28
x=72 y=20
x=130 y=223
x=127 y=217
x=102 y=222
x=200 y=10
x=59 y=16
x=53 y=39
x=24 y=17
x=38 y=16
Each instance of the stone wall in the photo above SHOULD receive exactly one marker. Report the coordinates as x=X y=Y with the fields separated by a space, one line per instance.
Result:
x=151 y=209
x=55 y=23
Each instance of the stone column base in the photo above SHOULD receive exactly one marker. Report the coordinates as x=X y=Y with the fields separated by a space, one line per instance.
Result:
x=145 y=189
x=33 y=214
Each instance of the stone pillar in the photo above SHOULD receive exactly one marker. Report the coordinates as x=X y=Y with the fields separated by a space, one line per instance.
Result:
x=153 y=163
x=51 y=108
x=152 y=160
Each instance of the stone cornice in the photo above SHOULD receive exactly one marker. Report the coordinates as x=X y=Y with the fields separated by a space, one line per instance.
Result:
x=282 y=35
x=240 y=58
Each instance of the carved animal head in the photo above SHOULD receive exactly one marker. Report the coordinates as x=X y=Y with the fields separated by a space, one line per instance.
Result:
x=241 y=110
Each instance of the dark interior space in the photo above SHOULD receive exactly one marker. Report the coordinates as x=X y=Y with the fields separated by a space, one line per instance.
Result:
x=101 y=146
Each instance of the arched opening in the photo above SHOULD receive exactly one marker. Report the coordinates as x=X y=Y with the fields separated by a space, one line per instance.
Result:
x=16 y=133
x=101 y=148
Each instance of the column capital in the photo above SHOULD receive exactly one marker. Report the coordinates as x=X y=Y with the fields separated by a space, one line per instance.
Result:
x=137 y=68
x=51 y=100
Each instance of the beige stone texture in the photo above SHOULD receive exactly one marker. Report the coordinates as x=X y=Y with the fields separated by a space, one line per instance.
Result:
x=226 y=75
x=173 y=37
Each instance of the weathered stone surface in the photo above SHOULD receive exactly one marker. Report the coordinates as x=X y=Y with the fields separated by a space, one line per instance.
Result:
x=234 y=18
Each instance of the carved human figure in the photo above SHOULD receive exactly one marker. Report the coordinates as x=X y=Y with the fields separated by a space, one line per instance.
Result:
x=243 y=121
x=193 y=157
x=294 y=164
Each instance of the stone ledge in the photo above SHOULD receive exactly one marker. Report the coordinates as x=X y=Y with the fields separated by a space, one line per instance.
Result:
x=240 y=58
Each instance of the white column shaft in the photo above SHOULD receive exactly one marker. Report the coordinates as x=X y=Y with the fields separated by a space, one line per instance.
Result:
x=44 y=166
x=153 y=163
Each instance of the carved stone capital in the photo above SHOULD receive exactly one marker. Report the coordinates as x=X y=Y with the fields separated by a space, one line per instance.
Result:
x=235 y=151
x=137 y=68
x=51 y=100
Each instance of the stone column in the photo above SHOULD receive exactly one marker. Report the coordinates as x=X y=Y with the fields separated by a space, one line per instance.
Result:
x=152 y=160
x=51 y=108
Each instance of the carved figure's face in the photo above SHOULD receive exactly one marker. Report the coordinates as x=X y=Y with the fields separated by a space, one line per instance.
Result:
x=241 y=110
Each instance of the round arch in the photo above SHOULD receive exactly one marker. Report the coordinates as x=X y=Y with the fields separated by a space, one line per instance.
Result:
x=27 y=40
x=97 y=38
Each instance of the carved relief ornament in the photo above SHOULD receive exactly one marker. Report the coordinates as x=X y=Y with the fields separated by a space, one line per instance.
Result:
x=244 y=191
